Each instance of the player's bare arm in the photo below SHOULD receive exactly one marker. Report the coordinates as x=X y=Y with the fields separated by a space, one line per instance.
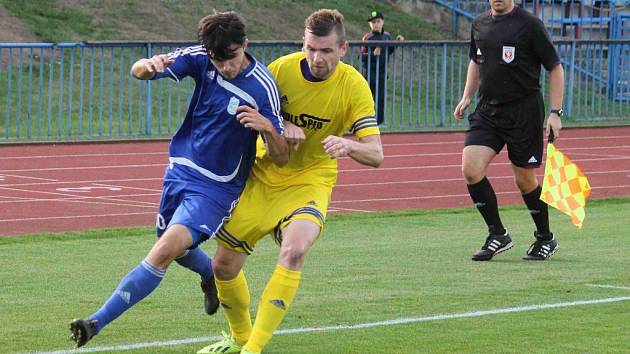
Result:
x=293 y=134
x=145 y=69
x=556 y=78
x=472 y=84
x=277 y=146
x=367 y=151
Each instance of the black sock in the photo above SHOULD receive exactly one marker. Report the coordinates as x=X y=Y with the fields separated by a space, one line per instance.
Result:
x=485 y=201
x=539 y=211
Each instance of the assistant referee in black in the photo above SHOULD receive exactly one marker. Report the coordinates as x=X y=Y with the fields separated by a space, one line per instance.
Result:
x=508 y=46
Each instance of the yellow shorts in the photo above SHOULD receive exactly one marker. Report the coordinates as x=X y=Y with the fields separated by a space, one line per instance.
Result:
x=262 y=210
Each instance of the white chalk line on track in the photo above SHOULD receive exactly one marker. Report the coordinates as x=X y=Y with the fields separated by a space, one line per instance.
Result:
x=92 y=200
x=393 y=322
x=459 y=153
x=163 y=153
x=140 y=154
x=29 y=177
x=333 y=206
x=85 y=199
x=460 y=142
x=84 y=182
x=158 y=191
x=78 y=216
x=104 y=182
x=458 y=165
x=134 y=188
x=99 y=200
x=163 y=165
x=337 y=209
x=448 y=142
x=342 y=170
x=439 y=180
x=463 y=195
x=14 y=198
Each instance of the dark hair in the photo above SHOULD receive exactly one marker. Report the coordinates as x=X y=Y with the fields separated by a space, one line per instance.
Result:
x=219 y=31
x=324 y=21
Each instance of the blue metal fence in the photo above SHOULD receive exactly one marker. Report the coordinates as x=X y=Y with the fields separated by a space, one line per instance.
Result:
x=564 y=19
x=83 y=91
x=567 y=19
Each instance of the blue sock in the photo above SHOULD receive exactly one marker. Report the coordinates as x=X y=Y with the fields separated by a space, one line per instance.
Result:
x=198 y=261
x=135 y=286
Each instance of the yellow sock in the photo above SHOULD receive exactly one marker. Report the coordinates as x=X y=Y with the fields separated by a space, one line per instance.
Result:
x=274 y=304
x=234 y=297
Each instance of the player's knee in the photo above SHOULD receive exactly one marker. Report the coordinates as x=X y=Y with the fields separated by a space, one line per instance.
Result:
x=471 y=175
x=293 y=255
x=525 y=184
x=223 y=269
x=162 y=254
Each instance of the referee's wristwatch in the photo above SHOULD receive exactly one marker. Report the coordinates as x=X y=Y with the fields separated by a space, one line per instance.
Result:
x=558 y=112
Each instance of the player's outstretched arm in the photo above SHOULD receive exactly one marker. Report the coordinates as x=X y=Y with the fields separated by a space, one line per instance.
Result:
x=367 y=151
x=277 y=146
x=145 y=69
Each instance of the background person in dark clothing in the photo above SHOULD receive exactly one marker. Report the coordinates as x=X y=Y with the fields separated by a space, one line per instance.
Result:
x=374 y=65
x=507 y=48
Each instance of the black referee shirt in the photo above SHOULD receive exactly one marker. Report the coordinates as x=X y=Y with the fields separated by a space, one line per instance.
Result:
x=510 y=50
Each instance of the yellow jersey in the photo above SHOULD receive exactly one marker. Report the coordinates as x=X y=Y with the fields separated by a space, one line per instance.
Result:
x=342 y=103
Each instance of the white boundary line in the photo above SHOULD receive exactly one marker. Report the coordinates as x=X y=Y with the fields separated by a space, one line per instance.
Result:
x=608 y=286
x=393 y=322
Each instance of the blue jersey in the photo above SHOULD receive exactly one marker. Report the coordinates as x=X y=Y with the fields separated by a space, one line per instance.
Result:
x=211 y=145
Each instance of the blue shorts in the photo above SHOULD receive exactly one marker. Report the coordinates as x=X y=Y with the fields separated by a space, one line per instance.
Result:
x=202 y=206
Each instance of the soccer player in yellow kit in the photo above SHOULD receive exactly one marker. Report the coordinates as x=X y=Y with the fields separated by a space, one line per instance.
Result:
x=323 y=98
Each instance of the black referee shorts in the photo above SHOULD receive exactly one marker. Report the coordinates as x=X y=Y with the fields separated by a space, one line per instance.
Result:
x=517 y=124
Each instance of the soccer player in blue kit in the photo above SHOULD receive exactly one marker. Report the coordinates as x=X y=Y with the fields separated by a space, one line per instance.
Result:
x=210 y=158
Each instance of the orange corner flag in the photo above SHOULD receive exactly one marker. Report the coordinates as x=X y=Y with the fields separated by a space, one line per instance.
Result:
x=565 y=187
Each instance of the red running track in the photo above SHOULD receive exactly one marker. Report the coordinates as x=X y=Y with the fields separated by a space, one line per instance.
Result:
x=62 y=187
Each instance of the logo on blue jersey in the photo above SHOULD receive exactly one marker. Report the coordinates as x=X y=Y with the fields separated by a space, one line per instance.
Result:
x=210 y=74
x=233 y=105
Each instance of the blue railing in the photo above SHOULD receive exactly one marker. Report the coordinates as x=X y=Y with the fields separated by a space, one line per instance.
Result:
x=83 y=91
x=576 y=19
